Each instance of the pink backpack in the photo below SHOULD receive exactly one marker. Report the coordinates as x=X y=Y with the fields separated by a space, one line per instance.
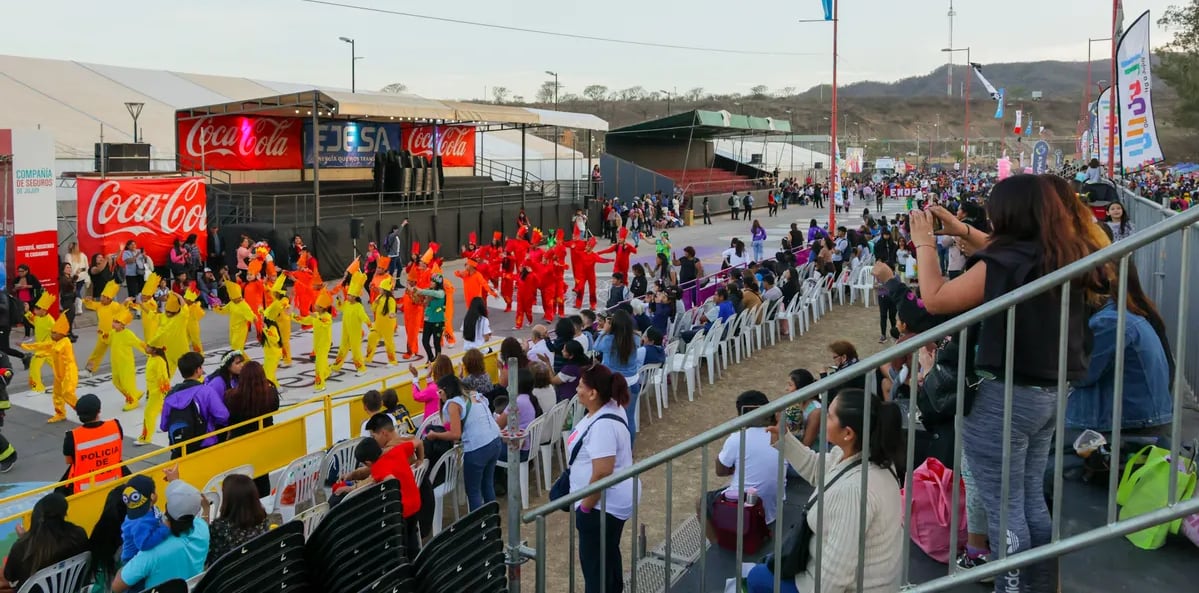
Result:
x=932 y=497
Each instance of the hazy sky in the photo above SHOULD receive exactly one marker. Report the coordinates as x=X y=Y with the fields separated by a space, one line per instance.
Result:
x=296 y=41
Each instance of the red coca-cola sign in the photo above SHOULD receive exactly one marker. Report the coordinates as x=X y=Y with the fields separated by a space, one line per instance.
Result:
x=152 y=212
x=239 y=143
x=456 y=144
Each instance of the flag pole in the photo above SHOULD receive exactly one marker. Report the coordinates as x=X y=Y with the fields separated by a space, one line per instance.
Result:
x=834 y=183
x=1111 y=115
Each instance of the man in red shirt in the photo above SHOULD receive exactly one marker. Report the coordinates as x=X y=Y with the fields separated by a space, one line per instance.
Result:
x=384 y=455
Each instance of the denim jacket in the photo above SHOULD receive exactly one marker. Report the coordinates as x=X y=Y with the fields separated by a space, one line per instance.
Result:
x=1147 y=398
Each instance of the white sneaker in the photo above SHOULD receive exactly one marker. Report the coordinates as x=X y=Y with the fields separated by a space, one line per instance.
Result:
x=84 y=373
x=361 y=373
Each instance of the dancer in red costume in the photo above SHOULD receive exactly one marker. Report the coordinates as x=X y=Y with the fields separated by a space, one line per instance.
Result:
x=526 y=294
x=508 y=271
x=623 y=249
x=583 y=259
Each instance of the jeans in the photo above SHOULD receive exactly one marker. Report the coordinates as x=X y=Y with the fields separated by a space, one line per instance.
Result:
x=596 y=535
x=478 y=473
x=761 y=580
x=631 y=411
x=759 y=246
x=1028 y=521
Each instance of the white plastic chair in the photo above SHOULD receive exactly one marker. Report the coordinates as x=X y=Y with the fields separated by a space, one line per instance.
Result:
x=826 y=293
x=550 y=448
x=419 y=471
x=312 y=517
x=646 y=377
x=842 y=283
x=729 y=338
x=213 y=489
x=770 y=322
x=533 y=434
x=686 y=364
x=864 y=283
x=743 y=340
x=451 y=463
x=61 y=577
x=426 y=423
x=709 y=350
x=341 y=455
x=305 y=474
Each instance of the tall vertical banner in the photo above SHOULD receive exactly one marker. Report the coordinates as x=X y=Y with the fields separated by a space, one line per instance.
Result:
x=1040 y=157
x=1139 y=145
x=1019 y=122
x=34 y=240
x=1102 y=137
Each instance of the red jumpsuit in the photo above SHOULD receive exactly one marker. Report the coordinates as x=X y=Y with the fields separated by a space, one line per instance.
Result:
x=622 y=251
x=526 y=295
x=507 y=280
x=583 y=261
x=414 y=314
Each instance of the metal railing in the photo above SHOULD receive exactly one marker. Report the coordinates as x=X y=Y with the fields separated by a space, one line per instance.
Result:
x=1060 y=280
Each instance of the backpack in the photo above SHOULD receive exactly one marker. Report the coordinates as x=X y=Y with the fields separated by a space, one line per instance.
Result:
x=732 y=201
x=185 y=424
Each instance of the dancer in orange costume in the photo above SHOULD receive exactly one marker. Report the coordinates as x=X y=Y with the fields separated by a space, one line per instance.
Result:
x=447 y=334
x=623 y=249
x=307 y=281
x=254 y=291
x=474 y=284
x=61 y=354
x=412 y=305
x=526 y=295
x=583 y=260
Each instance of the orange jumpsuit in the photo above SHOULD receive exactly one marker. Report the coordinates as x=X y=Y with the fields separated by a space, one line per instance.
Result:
x=474 y=284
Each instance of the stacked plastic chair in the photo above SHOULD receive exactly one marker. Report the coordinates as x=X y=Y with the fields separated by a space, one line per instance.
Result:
x=359 y=546
x=466 y=556
x=273 y=561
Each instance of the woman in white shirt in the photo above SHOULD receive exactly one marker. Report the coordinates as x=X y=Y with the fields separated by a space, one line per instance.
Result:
x=600 y=446
x=843 y=498
x=735 y=254
x=79 y=263
x=476 y=328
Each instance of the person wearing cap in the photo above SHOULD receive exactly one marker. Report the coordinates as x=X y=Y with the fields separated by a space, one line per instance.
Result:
x=142 y=528
x=124 y=369
x=384 y=327
x=94 y=446
x=322 y=336
x=353 y=320
x=41 y=321
x=183 y=553
x=240 y=317
x=106 y=309
x=61 y=353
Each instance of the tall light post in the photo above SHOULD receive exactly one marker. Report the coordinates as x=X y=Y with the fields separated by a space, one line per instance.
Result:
x=556 y=192
x=831 y=14
x=966 y=136
x=135 y=109
x=790 y=146
x=668 y=97
x=353 y=64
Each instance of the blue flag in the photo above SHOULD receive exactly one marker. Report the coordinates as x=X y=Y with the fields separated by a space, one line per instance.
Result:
x=1028 y=130
x=999 y=108
x=828 y=9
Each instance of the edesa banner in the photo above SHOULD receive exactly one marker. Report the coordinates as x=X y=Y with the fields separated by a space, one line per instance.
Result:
x=1139 y=143
x=30 y=192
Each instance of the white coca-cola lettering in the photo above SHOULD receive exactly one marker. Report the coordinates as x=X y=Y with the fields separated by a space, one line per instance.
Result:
x=453 y=141
x=242 y=136
x=180 y=212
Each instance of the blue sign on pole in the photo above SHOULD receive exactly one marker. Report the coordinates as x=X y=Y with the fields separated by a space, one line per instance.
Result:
x=1040 y=157
x=3 y=263
x=351 y=144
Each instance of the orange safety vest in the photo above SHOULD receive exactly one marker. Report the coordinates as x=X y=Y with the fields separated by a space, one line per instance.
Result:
x=95 y=449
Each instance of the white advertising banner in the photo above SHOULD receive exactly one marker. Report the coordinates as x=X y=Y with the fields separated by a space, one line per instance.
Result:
x=34 y=208
x=1102 y=137
x=1139 y=145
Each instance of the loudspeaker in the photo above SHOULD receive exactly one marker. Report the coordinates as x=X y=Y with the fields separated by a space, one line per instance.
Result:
x=819 y=164
x=355 y=228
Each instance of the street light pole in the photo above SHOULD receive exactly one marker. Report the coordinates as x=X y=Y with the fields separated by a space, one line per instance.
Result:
x=966 y=137
x=353 y=64
x=135 y=109
x=668 y=97
x=557 y=193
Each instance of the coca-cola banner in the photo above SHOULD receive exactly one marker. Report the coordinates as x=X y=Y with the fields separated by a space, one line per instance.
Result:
x=33 y=210
x=239 y=143
x=456 y=143
x=350 y=143
x=153 y=212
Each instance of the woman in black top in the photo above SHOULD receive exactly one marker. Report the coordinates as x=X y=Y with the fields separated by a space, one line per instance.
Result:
x=67 y=295
x=241 y=519
x=253 y=396
x=50 y=539
x=100 y=273
x=690 y=271
x=638 y=285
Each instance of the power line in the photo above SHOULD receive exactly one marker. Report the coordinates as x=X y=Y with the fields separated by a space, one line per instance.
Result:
x=560 y=34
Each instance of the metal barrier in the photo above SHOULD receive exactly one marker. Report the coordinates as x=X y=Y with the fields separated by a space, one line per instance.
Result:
x=1179 y=227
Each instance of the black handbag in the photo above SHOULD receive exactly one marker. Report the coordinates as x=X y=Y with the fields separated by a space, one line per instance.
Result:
x=797 y=547
x=937 y=395
x=561 y=485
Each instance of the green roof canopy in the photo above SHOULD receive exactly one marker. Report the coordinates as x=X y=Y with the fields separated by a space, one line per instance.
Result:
x=705 y=125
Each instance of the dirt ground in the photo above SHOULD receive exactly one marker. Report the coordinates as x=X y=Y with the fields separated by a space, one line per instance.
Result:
x=766 y=371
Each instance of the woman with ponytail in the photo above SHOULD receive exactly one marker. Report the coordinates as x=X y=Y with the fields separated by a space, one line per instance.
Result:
x=843 y=500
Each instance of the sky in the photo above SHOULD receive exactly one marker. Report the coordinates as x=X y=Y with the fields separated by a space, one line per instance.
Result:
x=297 y=41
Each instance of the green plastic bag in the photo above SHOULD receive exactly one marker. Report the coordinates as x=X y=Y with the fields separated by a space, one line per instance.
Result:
x=1144 y=488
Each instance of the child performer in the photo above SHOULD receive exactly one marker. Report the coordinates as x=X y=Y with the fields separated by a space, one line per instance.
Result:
x=195 y=313
x=41 y=321
x=106 y=309
x=279 y=312
x=124 y=370
x=61 y=353
x=158 y=383
x=240 y=317
x=353 y=319
x=384 y=326
x=322 y=336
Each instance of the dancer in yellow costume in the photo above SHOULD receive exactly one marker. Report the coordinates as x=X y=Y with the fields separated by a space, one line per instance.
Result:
x=148 y=307
x=272 y=351
x=353 y=319
x=172 y=332
x=322 y=336
x=279 y=311
x=384 y=326
x=61 y=353
x=158 y=383
x=41 y=320
x=194 y=314
x=240 y=317
x=124 y=371
x=106 y=309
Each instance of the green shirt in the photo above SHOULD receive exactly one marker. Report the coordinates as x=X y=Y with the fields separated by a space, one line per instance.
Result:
x=435 y=308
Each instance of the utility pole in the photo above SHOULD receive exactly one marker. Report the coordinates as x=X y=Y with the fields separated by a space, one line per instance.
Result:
x=556 y=192
x=949 y=69
x=353 y=64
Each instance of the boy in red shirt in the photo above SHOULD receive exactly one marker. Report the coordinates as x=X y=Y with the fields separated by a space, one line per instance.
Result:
x=387 y=454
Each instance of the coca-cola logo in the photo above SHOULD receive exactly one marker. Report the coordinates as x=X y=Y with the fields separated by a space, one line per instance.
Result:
x=454 y=141
x=241 y=136
x=179 y=212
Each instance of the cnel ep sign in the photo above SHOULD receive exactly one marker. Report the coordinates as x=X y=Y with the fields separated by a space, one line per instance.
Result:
x=351 y=144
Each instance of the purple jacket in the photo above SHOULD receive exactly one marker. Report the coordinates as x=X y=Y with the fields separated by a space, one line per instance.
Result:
x=212 y=406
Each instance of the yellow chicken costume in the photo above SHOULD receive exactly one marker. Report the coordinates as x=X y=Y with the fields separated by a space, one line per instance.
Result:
x=61 y=353
x=124 y=370
x=279 y=312
x=384 y=326
x=106 y=309
x=172 y=332
x=322 y=336
x=194 y=314
x=148 y=307
x=158 y=383
x=240 y=317
x=42 y=322
x=271 y=351
x=353 y=319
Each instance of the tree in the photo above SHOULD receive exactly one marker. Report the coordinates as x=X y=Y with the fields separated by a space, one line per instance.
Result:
x=787 y=91
x=545 y=94
x=500 y=93
x=635 y=93
x=595 y=92
x=1179 y=60
x=395 y=87
x=759 y=91
x=695 y=94
x=518 y=99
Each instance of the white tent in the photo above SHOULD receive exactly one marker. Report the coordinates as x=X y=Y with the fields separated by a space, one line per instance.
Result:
x=786 y=157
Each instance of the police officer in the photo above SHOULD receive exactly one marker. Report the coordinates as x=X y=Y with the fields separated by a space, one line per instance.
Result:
x=94 y=446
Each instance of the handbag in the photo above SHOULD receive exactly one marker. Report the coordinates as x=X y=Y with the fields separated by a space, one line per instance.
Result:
x=937 y=395
x=796 y=551
x=1144 y=488
x=932 y=497
x=561 y=485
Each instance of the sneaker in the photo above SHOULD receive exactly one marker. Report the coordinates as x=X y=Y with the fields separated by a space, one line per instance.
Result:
x=84 y=373
x=141 y=443
x=882 y=339
x=360 y=373
x=966 y=562
x=6 y=465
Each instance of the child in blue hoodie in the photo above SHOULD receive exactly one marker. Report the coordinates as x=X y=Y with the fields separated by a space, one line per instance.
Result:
x=143 y=527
